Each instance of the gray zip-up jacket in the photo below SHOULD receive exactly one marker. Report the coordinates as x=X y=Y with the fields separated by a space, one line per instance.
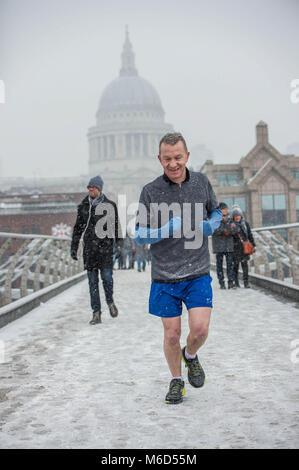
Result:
x=172 y=259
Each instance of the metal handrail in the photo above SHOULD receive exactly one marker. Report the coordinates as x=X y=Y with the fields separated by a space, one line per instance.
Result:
x=33 y=236
x=30 y=262
x=276 y=258
x=276 y=227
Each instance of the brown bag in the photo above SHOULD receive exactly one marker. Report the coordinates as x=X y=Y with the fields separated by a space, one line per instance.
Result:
x=248 y=248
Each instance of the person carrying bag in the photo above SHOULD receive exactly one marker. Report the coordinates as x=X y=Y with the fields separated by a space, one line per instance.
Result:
x=244 y=245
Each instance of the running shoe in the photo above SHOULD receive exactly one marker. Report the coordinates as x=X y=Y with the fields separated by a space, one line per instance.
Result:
x=176 y=392
x=196 y=375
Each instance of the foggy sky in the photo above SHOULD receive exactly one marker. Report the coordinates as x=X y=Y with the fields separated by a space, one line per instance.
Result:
x=219 y=67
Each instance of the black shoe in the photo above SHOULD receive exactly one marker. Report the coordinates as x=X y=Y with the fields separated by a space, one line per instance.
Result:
x=113 y=310
x=237 y=284
x=246 y=285
x=176 y=392
x=230 y=285
x=222 y=285
x=196 y=375
x=96 y=318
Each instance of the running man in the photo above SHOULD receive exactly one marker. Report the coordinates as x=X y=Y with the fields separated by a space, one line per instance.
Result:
x=180 y=268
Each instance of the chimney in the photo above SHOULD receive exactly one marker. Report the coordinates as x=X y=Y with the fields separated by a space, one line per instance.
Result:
x=262 y=133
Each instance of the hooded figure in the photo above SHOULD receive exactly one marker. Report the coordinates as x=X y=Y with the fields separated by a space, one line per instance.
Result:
x=241 y=232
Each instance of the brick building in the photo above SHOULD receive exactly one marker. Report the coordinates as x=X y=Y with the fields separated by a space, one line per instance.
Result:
x=45 y=214
x=265 y=183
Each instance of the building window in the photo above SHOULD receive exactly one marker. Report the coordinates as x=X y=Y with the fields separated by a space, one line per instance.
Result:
x=25 y=229
x=112 y=146
x=137 y=145
x=274 y=209
x=35 y=229
x=6 y=229
x=144 y=142
x=295 y=174
x=128 y=146
x=228 y=179
x=105 y=147
x=232 y=201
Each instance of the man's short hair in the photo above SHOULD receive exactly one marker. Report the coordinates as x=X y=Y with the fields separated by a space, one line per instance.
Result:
x=172 y=138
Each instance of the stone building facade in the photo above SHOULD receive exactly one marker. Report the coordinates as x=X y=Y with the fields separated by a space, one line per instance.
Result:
x=265 y=183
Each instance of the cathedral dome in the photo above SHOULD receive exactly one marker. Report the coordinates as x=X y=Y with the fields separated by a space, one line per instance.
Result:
x=129 y=125
x=129 y=91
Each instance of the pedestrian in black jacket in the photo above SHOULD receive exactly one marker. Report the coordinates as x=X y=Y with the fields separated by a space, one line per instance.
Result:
x=223 y=246
x=241 y=232
x=97 y=222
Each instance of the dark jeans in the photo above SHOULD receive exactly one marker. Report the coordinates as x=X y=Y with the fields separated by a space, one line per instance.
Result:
x=93 y=281
x=229 y=267
x=141 y=262
x=244 y=265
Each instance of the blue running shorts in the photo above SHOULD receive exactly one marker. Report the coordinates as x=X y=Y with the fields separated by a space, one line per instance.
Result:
x=166 y=298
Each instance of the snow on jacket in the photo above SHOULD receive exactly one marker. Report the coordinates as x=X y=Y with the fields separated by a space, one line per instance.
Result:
x=222 y=239
x=97 y=252
x=172 y=259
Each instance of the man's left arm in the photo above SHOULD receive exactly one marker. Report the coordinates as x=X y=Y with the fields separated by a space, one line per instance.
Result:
x=214 y=213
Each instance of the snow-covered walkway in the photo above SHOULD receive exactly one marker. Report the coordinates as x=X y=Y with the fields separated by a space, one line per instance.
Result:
x=66 y=384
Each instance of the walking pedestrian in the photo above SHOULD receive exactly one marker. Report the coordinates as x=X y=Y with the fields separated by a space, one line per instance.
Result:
x=180 y=271
x=223 y=247
x=127 y=254
x=141 y=257
x=99 y=237
x=241 y=232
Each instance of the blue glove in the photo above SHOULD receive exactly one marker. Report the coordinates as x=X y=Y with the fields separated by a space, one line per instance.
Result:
x=209 y=226
x=144 y=235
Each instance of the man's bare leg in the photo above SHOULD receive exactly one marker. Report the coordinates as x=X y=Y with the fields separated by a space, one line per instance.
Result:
x=199 y=320
x=172 y=348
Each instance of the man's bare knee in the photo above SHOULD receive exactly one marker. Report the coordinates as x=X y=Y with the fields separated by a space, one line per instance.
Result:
x=172 y=336
x=199 y=333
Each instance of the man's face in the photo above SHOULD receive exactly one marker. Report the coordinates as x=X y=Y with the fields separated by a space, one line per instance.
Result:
x=93 y=192
x=224 y=212
x=237 y=218
x=174 y=158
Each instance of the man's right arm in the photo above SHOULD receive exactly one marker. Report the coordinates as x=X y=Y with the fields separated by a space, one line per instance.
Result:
x=144 y=233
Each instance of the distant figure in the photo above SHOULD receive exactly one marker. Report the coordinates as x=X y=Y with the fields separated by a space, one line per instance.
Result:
x=241 y=232
x=140 y=256
x=223 y=246
x=126 y=253
x=97 y=251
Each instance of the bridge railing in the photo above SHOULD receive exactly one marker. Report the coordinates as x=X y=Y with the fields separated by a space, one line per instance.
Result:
x=29 y=263
x=277 y=254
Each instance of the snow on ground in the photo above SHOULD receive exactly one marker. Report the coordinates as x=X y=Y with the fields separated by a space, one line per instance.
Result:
x=66 y=384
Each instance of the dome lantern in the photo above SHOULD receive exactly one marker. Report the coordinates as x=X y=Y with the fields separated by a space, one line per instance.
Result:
x=127 y=58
